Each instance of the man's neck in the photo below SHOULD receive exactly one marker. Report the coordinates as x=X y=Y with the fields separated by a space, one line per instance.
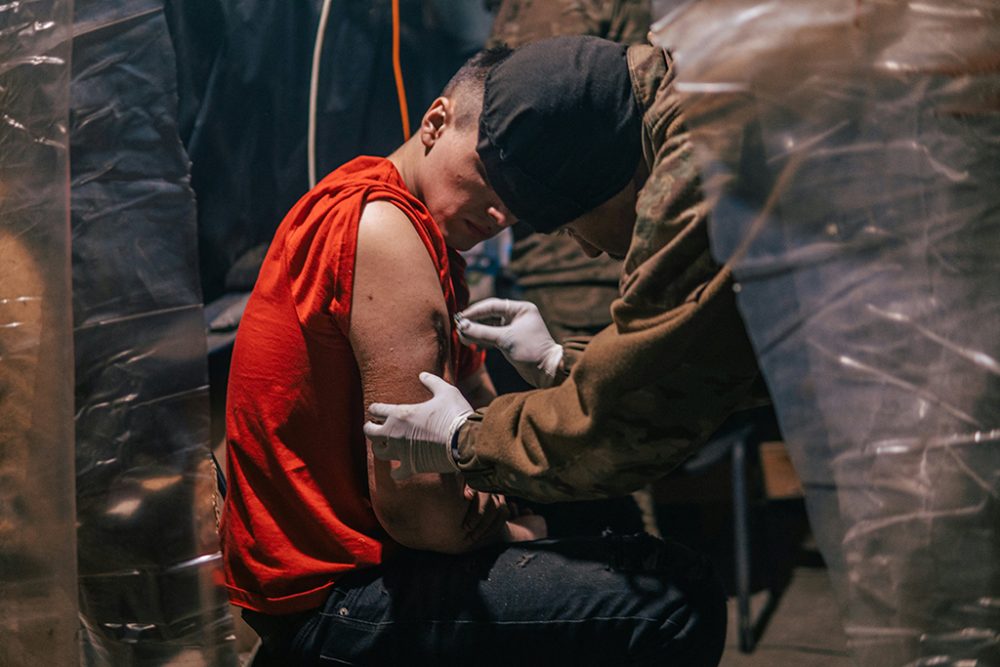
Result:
x=405 y=160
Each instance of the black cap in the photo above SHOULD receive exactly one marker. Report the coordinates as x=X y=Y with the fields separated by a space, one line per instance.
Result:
x=560 y=132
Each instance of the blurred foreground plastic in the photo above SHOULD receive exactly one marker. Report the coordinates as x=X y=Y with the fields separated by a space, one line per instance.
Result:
x=853 y=151
x=38 y=608
x=149 y=563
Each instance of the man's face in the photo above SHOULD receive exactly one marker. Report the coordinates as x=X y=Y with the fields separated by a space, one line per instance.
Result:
x=454 y=188
x=607 y=228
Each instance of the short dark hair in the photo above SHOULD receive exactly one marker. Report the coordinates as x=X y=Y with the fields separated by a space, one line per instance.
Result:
x=470 y=81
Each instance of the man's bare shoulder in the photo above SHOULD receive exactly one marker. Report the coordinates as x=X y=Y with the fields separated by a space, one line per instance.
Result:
x=382 y=213
x=384 y=222
x=397 y=290
x=388 y=242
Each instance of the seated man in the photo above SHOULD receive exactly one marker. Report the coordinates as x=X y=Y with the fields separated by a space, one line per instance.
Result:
x=334 y=559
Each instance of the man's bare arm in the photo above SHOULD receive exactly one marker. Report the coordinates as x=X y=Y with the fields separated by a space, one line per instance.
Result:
x=399 y=327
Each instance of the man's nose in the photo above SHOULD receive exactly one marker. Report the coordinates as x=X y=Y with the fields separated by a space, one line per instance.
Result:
x=589 y=249
x=501 y=216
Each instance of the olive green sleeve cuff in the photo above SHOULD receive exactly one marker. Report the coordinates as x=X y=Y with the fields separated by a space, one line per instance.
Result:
x=478 y=475
x=573 y=349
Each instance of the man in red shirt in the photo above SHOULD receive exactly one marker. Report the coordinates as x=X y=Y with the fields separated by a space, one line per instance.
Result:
x=332 y=557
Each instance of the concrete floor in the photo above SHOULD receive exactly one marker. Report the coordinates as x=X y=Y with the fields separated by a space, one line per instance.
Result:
x=804 y=627
x=804 y=631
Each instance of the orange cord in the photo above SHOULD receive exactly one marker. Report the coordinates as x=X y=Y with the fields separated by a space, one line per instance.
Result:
x=398 y=71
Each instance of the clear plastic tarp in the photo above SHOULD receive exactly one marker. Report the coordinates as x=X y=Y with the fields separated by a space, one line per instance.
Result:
x=852 y=149
x=38 y=602
x=149 y=563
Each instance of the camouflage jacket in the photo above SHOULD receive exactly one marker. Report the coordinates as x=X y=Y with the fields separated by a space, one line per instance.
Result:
x=573 y=292
x=652 y=386
x=521 y=21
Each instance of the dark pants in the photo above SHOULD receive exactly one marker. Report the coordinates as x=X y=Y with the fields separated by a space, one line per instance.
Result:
x=615 y=600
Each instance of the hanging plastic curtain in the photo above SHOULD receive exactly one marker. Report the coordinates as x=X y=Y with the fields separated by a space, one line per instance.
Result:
x=38 y=608
x=148 y=550
x=244 y=68
x=852 y=148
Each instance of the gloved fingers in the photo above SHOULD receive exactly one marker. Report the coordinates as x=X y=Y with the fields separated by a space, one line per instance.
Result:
x=375 y=432
x=382 y=449
x=491 y=307
x=435 y=384
x=380 y=412
x=485 y=335
x=377 y=429
x=401 y=472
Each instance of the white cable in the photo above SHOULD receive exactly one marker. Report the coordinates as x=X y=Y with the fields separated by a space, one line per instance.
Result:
x=324 y=16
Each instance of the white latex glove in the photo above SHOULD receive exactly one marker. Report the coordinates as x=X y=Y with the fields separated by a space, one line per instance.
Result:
x=518 y=332
x=419 y=435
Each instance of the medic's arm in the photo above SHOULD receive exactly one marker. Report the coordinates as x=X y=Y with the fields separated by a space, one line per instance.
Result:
x=657 y=382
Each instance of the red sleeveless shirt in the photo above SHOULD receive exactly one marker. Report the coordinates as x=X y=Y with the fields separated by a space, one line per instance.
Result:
x=297 y=513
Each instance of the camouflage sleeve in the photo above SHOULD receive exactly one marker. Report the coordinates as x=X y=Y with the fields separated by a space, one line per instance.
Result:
x=652 y=386
x=635 y=405
x=518 y=22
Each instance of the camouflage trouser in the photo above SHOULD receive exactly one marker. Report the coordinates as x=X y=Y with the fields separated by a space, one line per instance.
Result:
x=572 y=291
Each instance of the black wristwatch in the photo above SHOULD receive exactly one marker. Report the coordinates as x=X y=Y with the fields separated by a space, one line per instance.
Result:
x=454 y=444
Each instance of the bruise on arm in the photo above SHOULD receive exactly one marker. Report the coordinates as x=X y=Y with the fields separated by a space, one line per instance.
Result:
x=443 y=339
x=399 y=327
x=477 y=388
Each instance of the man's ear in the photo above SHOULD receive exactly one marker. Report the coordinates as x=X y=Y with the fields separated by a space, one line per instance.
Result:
x=436 y=118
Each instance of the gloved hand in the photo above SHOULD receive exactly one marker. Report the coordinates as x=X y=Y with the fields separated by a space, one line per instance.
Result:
x=419 y=435
x=521 y=336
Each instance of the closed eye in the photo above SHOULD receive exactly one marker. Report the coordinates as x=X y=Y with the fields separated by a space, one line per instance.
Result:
x=481 y=170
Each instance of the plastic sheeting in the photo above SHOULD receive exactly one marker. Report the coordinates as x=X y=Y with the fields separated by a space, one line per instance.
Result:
x=38 y=609
x=852 y=148
x=244 y=69
x=148 y=550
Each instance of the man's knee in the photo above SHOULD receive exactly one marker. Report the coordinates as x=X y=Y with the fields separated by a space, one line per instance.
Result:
x=697 y=633
x=691 y=613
